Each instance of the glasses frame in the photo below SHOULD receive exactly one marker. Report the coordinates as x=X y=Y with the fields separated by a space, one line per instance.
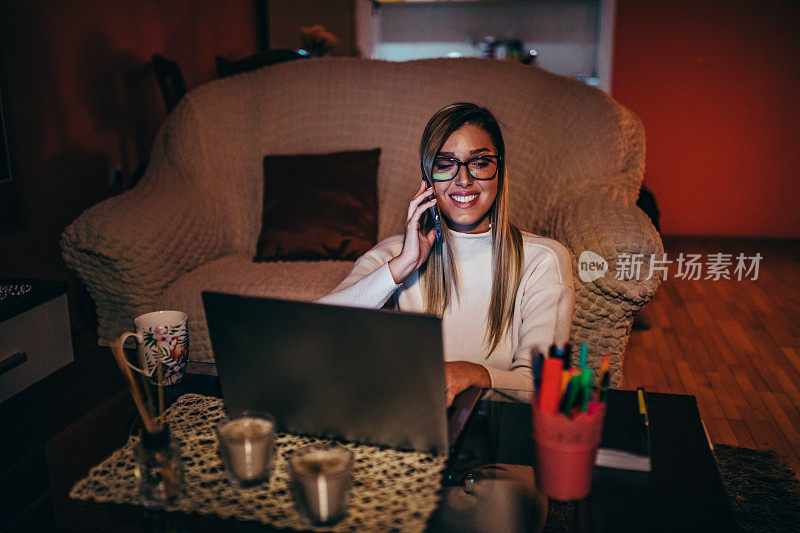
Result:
x=466 y=163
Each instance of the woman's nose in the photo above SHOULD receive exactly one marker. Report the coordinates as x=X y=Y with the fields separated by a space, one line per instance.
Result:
x=464 y=178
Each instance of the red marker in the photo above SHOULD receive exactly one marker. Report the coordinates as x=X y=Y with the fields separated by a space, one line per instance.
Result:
x=551 y=384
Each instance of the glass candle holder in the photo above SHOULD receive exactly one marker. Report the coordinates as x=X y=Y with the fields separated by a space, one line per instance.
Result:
x=158 y=469
x=247 y=446
x=321 y=479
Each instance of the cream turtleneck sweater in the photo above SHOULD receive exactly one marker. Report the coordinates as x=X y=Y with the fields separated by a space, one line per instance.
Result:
x=542 y=306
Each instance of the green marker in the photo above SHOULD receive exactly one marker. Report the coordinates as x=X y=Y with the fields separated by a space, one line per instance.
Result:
x=574 y=386
x=586 y=388
x=584 y=355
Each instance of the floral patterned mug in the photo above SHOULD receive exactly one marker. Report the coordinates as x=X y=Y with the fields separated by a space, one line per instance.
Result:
x=163 y=336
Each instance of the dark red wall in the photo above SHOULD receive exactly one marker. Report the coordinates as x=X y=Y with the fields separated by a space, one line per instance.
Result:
x=79 y=99
x=717 y=85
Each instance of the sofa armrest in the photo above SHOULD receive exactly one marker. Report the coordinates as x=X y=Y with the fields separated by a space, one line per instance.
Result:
x=128 y=248
x=607 y=224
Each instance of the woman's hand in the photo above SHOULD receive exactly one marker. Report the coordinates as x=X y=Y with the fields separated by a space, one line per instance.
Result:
x=461 y=375
x=416 y=246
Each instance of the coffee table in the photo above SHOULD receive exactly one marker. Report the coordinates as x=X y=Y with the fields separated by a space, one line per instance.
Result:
x=684 y=491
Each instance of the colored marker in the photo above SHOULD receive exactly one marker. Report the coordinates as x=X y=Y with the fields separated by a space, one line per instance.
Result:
x=586 y=388
x=604 y=386
x=538 y=363
x=551 y=384
x=584 y=355
x=645 y=421
x=604 y=371
x=605 y=364
x=563 y=405
x=574 y=388
x=565 y=377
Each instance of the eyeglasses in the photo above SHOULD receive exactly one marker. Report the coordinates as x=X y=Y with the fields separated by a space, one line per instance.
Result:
x=482 y=167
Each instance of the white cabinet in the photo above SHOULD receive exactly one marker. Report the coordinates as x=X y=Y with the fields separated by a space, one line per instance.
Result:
x=35 y=337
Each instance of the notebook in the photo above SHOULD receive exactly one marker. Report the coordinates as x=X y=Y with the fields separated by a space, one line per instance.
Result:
x=625 y=444
x=362 y=375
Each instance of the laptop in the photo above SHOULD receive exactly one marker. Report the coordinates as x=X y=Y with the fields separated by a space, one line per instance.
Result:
x=362 y=375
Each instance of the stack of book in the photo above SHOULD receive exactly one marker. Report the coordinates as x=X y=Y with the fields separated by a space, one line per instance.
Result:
x=624 y=450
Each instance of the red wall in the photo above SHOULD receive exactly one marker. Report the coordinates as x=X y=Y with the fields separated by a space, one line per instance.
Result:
x=79 y=99
x=717 y=85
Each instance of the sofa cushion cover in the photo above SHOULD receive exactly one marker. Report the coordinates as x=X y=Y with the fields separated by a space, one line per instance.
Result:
x=236 y=274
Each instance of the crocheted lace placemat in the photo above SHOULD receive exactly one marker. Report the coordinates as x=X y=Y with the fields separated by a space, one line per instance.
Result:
x=392 y=490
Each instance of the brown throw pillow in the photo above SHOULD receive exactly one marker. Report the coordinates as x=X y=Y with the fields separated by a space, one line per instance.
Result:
x=319 y=206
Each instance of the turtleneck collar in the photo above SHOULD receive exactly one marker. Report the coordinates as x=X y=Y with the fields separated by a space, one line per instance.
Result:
x=458 y=235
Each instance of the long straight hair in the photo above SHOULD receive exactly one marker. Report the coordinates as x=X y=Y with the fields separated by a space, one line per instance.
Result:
x=439 y=274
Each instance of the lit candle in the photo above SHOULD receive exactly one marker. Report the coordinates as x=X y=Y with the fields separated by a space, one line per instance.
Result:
x=322 y=476
x=247 y=444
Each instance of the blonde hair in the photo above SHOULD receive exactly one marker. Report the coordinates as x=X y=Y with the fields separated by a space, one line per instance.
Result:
x=439 y=273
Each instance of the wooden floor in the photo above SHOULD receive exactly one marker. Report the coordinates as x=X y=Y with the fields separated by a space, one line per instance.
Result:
x=735 y=345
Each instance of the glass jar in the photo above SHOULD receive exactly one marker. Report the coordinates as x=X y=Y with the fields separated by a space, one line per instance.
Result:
x=158 y=470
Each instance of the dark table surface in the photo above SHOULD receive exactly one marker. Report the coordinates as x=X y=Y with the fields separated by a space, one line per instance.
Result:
x=36 y=291
x=684 y=491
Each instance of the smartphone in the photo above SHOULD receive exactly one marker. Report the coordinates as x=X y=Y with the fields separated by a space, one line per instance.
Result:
x=433 y=215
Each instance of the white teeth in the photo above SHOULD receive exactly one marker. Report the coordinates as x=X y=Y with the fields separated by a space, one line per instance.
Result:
x=464 y=199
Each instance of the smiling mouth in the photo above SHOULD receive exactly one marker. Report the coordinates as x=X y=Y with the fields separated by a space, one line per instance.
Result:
x=464 y=199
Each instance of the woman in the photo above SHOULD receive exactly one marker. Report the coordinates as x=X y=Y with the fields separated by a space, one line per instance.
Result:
x=501 y=292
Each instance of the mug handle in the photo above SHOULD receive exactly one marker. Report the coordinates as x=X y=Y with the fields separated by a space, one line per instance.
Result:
x=140 y=340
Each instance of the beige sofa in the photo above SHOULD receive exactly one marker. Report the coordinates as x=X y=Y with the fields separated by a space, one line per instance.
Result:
x=575 y=161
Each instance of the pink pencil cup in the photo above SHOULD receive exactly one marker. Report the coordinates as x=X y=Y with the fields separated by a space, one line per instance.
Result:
x=565 y=451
